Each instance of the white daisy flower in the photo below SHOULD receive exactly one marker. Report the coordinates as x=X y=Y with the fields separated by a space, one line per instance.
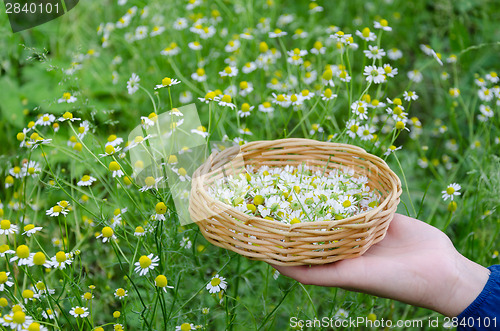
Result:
x=79 y=312
x=451 y=191
x=146 y=263
x=217 y=284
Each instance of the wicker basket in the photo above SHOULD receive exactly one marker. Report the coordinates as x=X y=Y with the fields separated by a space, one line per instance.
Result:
x=297 y=244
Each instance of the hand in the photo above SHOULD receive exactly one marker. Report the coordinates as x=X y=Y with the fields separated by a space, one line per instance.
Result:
x=415 y=263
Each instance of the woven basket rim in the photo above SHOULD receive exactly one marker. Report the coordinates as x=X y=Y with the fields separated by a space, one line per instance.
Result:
x=329 y=223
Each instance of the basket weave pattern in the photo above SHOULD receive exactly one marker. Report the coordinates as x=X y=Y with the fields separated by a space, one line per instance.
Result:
x=296 y=244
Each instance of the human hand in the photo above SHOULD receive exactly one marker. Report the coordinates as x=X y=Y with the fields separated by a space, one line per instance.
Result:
x=415 y=263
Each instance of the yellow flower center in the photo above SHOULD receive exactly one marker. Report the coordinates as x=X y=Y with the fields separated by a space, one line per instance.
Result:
x=200 y=72
x=114 y=166
x=185 y=327
x=34 y=327
x=3 y=277
x=39 y=258
x=144 y=262
x=109 y=149
x=23 y=252
x=161 y=281
x=354 y=128
x=215 y=282
x=384 y=22
x=166 y=81
x=182 y=172
x=226 y=98
x=61 y=257
x=244 y=85
x=57 y=209
x=46 y=118
x=120 y=292
x=161 y=208
x=5 y=224
x=450 y=190
x=366 y=32
x=19 y=317
x=210 y=96
x=79 y=311
x=29 y=227
x=67 y=95
x=139 y=229
x=107 y=232
x=28 y=294
x=346 y=203
x=150 y=181
x=85 y=178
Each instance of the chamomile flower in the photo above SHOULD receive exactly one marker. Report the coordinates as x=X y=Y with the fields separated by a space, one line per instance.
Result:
x=30 y=229
x=7 y=228
x=23 y=256
x=139 y=231
x=199 y=75
x=328 y=95
x=201 y=130
x=382 y=24
x=249 y=67
x=86 y=180
x=150 y=182
x=410 y=95
x=185 y=97
x=366 y=132
x=485 y=94
x=61 y=260
x=225 y=101
x=146 y=263
x=229 y=71
x=245 y=88
x=359 y=108
x=68 y=116
x=5 y=280
x=451 y=191
x=67 y=98
x=373 y=52
x=167 y=82
x=56 y=211
x=180 y=23
x=106 y=234
x=245 y=110
x=216 y=284
x=133 y=83
x=120 y=293
x=157 y=30
x=4 y=250
x=374 y=74
x=415 y=76
x=394 y=54
x=277 y=33
x=185 y=327
x=115 y=169
x=493 y=77
x=392 y=149
x=266 y=107
x=366 y=34
x=17 y=320
x=161 y=282
x=389 y=70
x=45 y=120
x=79 y=312
x=352 y=128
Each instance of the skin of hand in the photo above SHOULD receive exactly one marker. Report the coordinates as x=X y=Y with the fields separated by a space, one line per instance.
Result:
x=415 y=263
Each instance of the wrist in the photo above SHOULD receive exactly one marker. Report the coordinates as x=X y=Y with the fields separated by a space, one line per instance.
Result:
x=466 y=281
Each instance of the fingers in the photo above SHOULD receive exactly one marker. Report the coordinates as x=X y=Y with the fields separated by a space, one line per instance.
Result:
x=322 y=275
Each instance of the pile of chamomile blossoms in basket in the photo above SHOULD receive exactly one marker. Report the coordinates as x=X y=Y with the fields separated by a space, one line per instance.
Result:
x=299 y=194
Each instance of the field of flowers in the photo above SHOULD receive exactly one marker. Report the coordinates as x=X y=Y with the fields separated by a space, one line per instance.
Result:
x=91 y=234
